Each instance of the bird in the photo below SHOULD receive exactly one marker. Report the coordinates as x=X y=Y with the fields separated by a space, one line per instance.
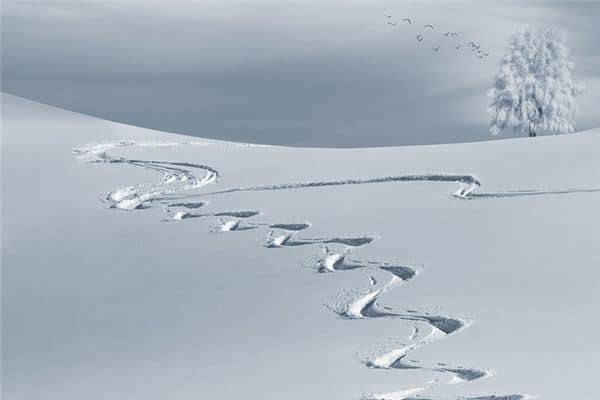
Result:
x=436 y=48
x=420 y=38
x=392 y=23
x=387 y=15
x=428 y=26
x=458 y=47
x=447 y=34
x=453 y=34
x=407 y=20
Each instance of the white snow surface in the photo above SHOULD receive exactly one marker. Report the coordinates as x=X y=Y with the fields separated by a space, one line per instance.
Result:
x=103 y=297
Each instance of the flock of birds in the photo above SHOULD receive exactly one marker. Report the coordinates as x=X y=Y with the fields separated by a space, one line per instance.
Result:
x=473 y=46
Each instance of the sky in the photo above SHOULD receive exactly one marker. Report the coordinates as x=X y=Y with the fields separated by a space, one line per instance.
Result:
x=300 y=73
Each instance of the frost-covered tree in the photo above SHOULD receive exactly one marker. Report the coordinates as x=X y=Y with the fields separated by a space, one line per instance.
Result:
x=534 y=93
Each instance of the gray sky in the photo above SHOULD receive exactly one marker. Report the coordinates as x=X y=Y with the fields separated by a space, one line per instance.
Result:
x=296 y=73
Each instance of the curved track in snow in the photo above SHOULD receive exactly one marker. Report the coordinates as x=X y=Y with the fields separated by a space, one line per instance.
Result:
x=177 y=178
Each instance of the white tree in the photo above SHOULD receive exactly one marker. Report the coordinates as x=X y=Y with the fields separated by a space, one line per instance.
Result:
x=534 y=93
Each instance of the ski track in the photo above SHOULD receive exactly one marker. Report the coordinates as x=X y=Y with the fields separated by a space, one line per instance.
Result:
x=287 y=239
x=177 y=177
x=468 y=183
x=231 y=225
x=412 y=394
x=526 y=193
x=290 y=227
x=190 y=205
x=487 y=397
x=180 y=177
x=176 y=215
x=395 y=354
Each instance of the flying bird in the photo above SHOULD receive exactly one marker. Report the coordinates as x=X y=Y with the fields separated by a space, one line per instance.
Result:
x=428 y=26
x=392 y=23
x=436 y=48
x=458 y=47
x=453 y=34
x=387 y=15
x=420 y=38
x=407 y=20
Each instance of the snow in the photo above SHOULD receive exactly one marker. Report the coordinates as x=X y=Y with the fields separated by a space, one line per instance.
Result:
x=180 y=215
x=102 y=299
x=398 y=395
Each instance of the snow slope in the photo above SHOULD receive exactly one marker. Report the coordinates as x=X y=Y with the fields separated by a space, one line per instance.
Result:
x=141 y=264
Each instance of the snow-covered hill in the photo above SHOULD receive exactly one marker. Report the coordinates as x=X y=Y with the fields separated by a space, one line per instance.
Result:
x=145 y=265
